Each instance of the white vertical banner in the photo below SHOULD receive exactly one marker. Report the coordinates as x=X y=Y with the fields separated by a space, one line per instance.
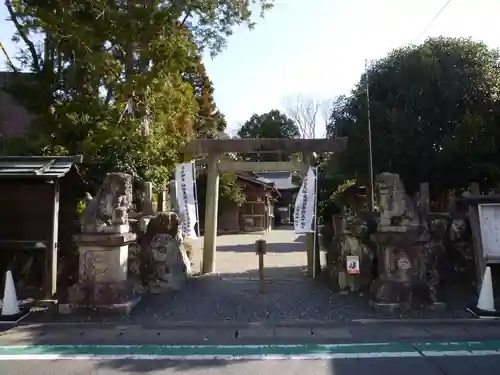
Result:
x=305 y=205
x=185 y=185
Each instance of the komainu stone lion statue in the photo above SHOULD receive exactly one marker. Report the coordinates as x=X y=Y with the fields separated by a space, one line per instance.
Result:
x=110 y=205
x=396 y=207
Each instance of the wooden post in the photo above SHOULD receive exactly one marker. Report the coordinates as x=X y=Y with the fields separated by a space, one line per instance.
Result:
x=307 y=159
x=261 y=274
x=211 y=213
x=52 y=249
x=260 y=250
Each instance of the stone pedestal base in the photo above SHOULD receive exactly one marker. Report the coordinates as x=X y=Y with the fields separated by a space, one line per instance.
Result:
x=402 y=282
x=173 y=281
x=103 y=269
x=395 y=307
x=118 y=297
x=438 y=306
x=414 y=293
x=114 y=308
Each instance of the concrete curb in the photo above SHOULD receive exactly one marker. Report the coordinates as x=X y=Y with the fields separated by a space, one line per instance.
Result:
x=282 y=324
x=428 y=321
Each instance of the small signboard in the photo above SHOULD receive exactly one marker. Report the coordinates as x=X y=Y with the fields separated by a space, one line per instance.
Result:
x=352 y=264
x=489 y=221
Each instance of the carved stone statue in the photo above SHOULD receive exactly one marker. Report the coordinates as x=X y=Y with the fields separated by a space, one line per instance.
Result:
x=405 y=253
x=165 y=254
x=120 y=213
x=396 y=208
x=403 y=267
x=111 y=204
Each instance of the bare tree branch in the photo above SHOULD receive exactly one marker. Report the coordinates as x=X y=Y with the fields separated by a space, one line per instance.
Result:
x=24 y=37
x=326 y=111
x=306 y=112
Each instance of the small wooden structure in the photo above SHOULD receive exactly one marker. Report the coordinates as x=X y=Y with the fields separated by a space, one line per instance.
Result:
x=287 y=189
x=257 y=210
x=255 y=214
x=38 y=196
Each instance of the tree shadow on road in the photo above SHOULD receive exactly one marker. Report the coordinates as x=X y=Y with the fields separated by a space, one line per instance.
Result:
x=285 y=247
x=99 y=343
x=147 y=366
x=386 y=366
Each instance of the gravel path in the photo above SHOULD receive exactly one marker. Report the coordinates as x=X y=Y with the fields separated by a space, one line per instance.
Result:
x=232 y=294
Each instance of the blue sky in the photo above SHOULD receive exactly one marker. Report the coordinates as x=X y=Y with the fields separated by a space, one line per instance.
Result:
x=317 y=48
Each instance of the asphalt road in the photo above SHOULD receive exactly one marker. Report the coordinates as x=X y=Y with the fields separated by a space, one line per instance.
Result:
x=477 y=365
x=408 y=349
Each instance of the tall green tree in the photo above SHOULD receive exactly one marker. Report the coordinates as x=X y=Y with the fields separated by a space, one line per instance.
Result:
x=209 y=120
x=433 y=115
x=107 y=78
x=273 y=124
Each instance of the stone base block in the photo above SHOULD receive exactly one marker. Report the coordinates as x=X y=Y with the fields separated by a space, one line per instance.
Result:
x=172 y=284
x=118 y=228
x=100 y=294
x=391 y=308
x=391 y=295
x=437 y=306
x=393 y=291
x=124 y=308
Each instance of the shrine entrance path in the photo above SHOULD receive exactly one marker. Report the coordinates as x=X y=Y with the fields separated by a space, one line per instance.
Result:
x=236 y=258
x=232 y=293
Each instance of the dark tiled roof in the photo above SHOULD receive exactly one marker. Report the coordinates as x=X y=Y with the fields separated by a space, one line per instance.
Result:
x=48 y=167
x=281 y=180
x=258 y=181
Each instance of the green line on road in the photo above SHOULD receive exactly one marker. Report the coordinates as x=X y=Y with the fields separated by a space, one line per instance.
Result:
x=202 y=350
x=370 y=350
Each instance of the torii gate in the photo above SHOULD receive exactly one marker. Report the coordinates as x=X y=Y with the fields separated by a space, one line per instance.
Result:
x=214 y=148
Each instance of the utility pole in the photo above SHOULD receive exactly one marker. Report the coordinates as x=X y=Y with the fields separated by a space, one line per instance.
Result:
x=371 y=202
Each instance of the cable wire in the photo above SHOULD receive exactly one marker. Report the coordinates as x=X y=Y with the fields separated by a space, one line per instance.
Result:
x=434 y=18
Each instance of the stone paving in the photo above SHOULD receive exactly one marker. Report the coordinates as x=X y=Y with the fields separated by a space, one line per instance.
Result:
x=236 y=253
x=231 y=294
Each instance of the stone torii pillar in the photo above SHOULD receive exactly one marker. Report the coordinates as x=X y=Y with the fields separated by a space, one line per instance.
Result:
x=211 y=214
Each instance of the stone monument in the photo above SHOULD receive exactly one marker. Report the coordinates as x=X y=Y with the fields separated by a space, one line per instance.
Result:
x=103 y=248
x=404 y=250
x=167 y=262
x=348 y=228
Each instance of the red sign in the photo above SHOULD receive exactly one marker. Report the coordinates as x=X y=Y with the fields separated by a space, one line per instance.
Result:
x=352 y=265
